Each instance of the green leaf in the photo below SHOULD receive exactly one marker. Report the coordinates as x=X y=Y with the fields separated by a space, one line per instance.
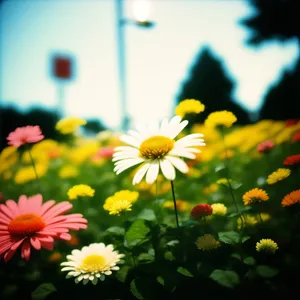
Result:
x=229 y=237
x=266 y=271
x=136 y=233
x=145 y=257
x=245 y=238
x=225 y=277
x=160 y=280
x=173 y=243
x=236 y=185
x=134 y=290
x=236 y=255
x=147 y=214
x=220 y=168
x=116 y=230
x=122 y=273
x=42 y=291
x=249 y=261
x=169 y=256
x=184 y=272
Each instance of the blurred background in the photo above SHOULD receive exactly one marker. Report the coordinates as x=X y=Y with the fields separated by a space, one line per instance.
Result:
x=117 y=63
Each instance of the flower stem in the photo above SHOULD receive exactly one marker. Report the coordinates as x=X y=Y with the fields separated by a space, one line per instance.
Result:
x=174 y=201
x=228 y=180
x=33 y=165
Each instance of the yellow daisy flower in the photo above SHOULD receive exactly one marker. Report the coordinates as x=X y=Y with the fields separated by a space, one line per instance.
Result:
x=80 y=190
x=219 y=209
x=120 y=201
x=266 y=245
x=69 y=125
x=207 y=242
x=278 y=175
x=220 y=118
x=255 y=195
x=68 y=171
x=189 y=106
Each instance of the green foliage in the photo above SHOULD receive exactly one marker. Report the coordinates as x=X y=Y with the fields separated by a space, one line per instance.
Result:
x=42 y=291
x=136 y=233
x=230 y=237
x=266 y=271
x=225 y=278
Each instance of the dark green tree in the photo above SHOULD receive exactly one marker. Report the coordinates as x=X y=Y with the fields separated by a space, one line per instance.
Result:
x=209 y=83
x=93 y=126
x=282 y=100
x=273 y=20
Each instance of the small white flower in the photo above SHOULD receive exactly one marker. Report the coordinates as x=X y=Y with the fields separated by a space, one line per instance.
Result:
x=92 y=262
x=156 y=150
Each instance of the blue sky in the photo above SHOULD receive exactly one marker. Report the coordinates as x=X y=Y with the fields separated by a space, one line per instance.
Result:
x=157 y=60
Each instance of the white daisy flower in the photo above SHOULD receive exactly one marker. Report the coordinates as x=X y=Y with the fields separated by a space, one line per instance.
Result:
x=156 y=150
x=92 y=262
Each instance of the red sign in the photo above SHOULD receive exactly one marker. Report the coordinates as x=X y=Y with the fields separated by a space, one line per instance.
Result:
x=62 y=67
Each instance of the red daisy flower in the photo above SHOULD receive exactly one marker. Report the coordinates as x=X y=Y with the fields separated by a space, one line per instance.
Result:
x=33 y=223
x=201 y=210
x=292 y=160
x=25 y=135
x=265 y=146
x=291 y=122
x=296 y=136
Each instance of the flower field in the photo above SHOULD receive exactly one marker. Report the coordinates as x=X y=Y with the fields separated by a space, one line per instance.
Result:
x=179 y=211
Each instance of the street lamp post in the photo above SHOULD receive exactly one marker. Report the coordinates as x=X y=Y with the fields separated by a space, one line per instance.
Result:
x=121 y=22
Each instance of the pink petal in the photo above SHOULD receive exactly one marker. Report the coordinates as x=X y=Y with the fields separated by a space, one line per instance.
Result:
x=46 y=232
x=4 y=228
x=17 y=244
x=34 y=203
x=65 y=236
x=46 y=206
x=22 y=203
x=46 y=239
x=35 y=242
x=57 y=210
x=3 y=218
x=13 y=206
x=6 y=211
x=58 y=229
x=4 y=247
x=47 y=245
x=67 y=227
x=4 y=237
x=25 y=251
x=9 y=254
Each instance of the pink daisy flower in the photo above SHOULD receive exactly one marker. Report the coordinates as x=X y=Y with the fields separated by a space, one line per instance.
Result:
x=31 y=223
x=25 y=135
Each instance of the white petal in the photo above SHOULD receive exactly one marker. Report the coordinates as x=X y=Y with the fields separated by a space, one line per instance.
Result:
x=178 y=163
x=126 y=155
x=135 y=134
x=140 y=174
x=167 y=169
x=189 y=143
x=152 y=173
x=123 y=148
x=127 y=163
x=192 y=136
x=130 y=140
x=182 y=153
x=175 y=131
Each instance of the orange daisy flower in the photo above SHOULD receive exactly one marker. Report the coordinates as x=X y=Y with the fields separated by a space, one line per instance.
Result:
x=291 y=199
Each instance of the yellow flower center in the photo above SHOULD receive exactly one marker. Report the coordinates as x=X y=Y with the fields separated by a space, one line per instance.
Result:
x=156 y=147
x=93 y=263
x=25 y=224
